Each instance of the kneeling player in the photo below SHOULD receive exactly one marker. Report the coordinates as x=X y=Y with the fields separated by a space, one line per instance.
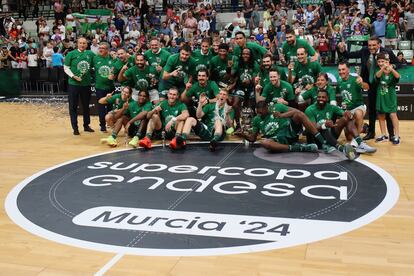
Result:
x=169 y=115
x=321 y=114
x=137 y=111
x=114 y=118
x=215 y=119
x=281 y=127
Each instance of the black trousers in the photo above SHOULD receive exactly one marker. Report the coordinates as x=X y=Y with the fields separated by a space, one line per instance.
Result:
x=103 y=109
x=372 y=112
x=74 y=93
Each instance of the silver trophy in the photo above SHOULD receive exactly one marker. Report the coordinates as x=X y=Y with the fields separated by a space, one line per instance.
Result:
x=246 y=119
x=358 y=70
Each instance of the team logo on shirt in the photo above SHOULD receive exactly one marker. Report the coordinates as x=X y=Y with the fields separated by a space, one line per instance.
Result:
x=104 y=71
x=83 y=66
x=142 y=84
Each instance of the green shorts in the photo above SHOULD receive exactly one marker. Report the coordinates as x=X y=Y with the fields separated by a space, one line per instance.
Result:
x=205 y=133
x=289 y=134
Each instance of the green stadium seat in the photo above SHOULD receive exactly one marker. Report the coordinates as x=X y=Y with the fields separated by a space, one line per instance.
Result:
x=404 y=45
x=408 y=55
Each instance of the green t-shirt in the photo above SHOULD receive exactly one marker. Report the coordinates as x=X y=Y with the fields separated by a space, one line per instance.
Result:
x=119 y=64
x=270 y=126
x=135 y=108
x=211 y=90
x=186 y=69
x=306 y=73
x=157 y=59
x=256 y=50
x=312 y=94
x=386 y=94
x=271 y=93
x=116 y=101
x=104 y=66
x=168 y=111
x=80 y=65
x=291 y=50
x=391 y=31
x=218 y=68
x=210 y=115
x=350 y=92
x=320 y=116
x=264 y=75
x=202 y=61
x=140 y=79
x=246 y=74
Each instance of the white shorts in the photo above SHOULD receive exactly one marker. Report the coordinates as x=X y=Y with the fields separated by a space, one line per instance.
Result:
x=362 y=107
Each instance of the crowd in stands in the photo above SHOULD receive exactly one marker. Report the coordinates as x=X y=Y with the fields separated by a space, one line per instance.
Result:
x=265 y=22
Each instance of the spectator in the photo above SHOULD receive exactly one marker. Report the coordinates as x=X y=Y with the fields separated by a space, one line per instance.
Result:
x=401 y=58
x=247 y=13
x=409 y=23
x=58 y=8
x=95 y=46
x=379 y=26
x=57 y=58
x=391 y=33
x=204 y=25
x=4 y=57
x=47 y=54
x=14 y=53
x=119 y=24
x=255 y=19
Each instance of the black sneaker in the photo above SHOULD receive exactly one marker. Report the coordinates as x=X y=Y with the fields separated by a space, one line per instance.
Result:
x=88 y=129
x=76 y=132
x=213 y=145
x=103 y=129
x=396 y=140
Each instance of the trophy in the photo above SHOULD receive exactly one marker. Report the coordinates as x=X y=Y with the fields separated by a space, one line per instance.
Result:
x=358 y=70
x=246 y=119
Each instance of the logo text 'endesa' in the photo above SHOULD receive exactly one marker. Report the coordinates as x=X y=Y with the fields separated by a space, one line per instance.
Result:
x=337 y=180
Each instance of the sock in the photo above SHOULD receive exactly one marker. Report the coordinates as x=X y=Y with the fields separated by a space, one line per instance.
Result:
x=340 y=147
x=113 y=135
x=148 y=135
x=358 y=139
x=295 y=147
x=216 y=138
x=319 y=138
x=184 y=136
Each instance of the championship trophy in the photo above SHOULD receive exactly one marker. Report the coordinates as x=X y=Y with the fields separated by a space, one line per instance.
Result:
x=246 y=121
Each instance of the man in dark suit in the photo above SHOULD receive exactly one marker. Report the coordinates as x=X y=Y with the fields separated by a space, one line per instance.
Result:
x=368 y=68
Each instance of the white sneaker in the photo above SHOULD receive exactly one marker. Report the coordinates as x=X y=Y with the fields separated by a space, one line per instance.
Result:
x=365 y=148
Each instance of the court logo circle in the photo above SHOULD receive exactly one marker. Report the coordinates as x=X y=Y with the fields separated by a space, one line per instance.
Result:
x=193 y=203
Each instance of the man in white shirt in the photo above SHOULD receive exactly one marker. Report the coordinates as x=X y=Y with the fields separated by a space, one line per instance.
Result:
x=94 y=46
x=203 y=24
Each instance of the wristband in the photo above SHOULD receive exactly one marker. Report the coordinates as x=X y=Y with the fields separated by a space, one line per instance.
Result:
x=174 y=119
x=323 y=126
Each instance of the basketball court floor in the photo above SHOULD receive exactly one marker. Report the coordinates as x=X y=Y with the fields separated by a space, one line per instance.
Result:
x=364 y=223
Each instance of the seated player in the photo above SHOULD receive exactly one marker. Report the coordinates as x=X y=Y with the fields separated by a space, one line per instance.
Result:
x=215 y=119
x=115 y=119
x=321 y=114
x=168 y=115
x=137 y=112
x=280 y=126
